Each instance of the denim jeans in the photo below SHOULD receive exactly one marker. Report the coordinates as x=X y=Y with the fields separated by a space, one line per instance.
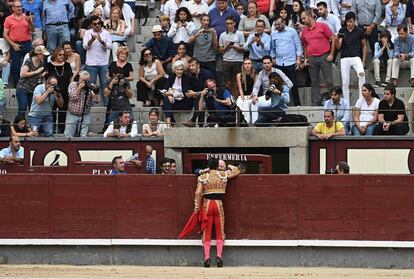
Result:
x=368 y=132
x=100 y=71
x=79 y=49
x=3 y=106
x=73 y=125
x=56 y=35
x=24 y=101
x=5 y=73
x=44 y=124
x=16 y=58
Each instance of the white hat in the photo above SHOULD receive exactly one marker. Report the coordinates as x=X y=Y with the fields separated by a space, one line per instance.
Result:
x=156 y=28
x=42 y=50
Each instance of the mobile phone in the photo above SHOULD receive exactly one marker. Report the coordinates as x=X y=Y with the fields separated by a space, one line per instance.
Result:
x=28 y=13
x=341 y=35
x=231 y=43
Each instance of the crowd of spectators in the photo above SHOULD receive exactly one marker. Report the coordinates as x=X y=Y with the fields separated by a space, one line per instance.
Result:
x=65 y=56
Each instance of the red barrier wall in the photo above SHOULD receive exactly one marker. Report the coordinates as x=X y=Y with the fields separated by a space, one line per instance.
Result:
x=257 y=207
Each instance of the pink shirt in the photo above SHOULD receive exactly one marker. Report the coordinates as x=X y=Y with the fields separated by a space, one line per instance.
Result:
x=316 y=39
x=263 y=6
x=19 y=29
x=96 y=54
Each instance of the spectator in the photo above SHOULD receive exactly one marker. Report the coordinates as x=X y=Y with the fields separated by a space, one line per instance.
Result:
x=217 y=102
x=403 y=54
x=151 y=77
x=32 y=72
x=44 y=98
x=81 y=95
x=342 y=168
x=366 y=112
x=173 y=167
x=286 y=51
x=392 y=119
x=245 y=83
x=279 y=96
x=368 y=17
x=165 y=24
x=35 y=7
x=171 y=8
x=121 y=65
x=86 y=25
x=240 y=10
x=198 y=77
x=331 y=20
x=261 y=84
x=395 y=14
x=340 y=106
x=219 y=14
x=204 y=40
x=155 y=127
x=150 y=166
x=116 y=27
x=197 y=8
x=231 y=46
x=17 y=32
x=97 y=41
x=14 y=154
x=384 y=53
x=4 y=12
x=63 y=73
x=74 y=23
x=352 y=44
x=20 y=128
x=118 y=91
x=127 y=15
x=294 y=18
x=56 y=15
x=118 y=163
x=182 y=27
x=165 y=166
x=161 y=46
x=4 y=62
x=329 y=128
x=175 y=97
x=319 y=48
x=72 y=58
x=332 y=6
x=35 y=43
x=182 y=54
x=123 y=127
x=248 y=24
x=258 y=45
x=344 y=6
x=4 y=126
x=3 y=100
x=91 y=5
x=410 y=15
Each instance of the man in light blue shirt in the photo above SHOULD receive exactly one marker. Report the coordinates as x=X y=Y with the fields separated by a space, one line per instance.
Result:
x=14 y=153
x=36 y=8
x=258 y=43
x=56 y=17
x=403 y=54
x=340 y=106
x=286 y=51
x=44 y=98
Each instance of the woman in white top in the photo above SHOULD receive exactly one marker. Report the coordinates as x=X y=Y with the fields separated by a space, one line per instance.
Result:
x=245 y=82
x=183 y=26
x=154 y=128
x=151 y=76
x=116 y=27
x=72 y=58
x=366 y=112
x=248 y=24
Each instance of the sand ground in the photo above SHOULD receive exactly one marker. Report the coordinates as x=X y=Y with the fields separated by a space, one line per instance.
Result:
x=68 y=271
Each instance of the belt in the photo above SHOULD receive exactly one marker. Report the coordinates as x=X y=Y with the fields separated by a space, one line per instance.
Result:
x=23 y=42
x=57 y=23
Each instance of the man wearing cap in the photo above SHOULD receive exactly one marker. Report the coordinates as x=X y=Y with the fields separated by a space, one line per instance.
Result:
x=161 y=46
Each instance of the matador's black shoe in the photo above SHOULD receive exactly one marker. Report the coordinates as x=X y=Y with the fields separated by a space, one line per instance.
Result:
x=207 y=263
x=219 y=262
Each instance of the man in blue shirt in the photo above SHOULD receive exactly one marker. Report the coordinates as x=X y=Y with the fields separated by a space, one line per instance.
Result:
x=161 y=45
x=13 y=154
x=219 y=14
x=403 y=54
x=56 y=16
x=36 y=8
x=286 y=51
x=119 y=166
x=258 y=43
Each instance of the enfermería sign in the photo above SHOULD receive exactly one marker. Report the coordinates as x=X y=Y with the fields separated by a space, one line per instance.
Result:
x=228 y=156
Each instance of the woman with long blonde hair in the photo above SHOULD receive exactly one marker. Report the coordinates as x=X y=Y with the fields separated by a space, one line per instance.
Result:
x=245 y=82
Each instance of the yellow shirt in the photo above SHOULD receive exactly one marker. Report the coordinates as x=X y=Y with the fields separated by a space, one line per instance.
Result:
x=322 y=129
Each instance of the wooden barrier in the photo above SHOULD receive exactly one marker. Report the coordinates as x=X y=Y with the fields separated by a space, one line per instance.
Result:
x=270 y=207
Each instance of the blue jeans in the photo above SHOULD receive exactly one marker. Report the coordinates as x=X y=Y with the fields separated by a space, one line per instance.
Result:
x=73 y=125
x=24 y=101
x=3 y=106
x=16 y=58
x=79 y=49
x=368 y=132
x=56 y=35
x=100 y=71
x=44 y=124
x=5 y=73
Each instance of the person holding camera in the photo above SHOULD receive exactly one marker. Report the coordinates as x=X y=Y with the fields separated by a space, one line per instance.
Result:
x=217 y=101
x=278 y=93
x=78 y=116
x=118 y=91
x=258 y=44
x=44 y=98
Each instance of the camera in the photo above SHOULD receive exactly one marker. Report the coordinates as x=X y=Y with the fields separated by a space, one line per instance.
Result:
x=210 y=94
x=90 y=86
x=28 y=13
x=331 y=171
x=56 y=88
x=272 y=87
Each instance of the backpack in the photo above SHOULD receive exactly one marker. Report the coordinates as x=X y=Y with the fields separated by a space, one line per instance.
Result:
x=293 y=120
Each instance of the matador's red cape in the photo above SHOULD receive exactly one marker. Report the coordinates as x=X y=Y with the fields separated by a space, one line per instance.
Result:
x=196 y=219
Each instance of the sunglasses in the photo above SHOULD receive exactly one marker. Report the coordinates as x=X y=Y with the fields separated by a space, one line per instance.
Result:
x=96 y=23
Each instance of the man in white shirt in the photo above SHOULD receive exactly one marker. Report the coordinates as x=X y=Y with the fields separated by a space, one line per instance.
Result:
x=197 y=8
x=331 y=20
x=172 y=6
x=332 y=6
x=123 y=127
